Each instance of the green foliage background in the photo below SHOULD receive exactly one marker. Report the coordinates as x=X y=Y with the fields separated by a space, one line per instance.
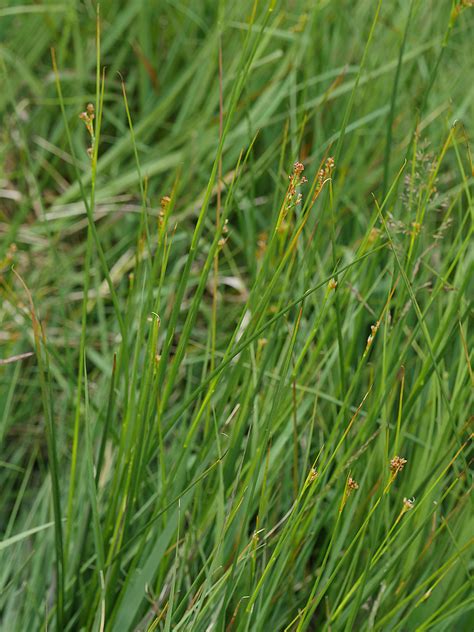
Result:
x=203 y=378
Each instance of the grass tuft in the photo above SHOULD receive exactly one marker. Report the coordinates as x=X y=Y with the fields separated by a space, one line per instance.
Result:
x=236 y=273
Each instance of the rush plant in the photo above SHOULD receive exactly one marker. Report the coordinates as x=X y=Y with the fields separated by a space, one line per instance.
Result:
x=236 y=353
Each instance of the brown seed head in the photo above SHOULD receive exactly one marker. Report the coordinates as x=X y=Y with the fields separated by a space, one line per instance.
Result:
x=352 y=485
x=408 y=503
x=397 y=464
x=374 y=329
x=165 y=202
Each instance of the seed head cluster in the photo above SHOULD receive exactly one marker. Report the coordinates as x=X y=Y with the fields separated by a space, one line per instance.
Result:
x=352 y=485
x=164 y=204
x=323 y=175
x=292 y=197
x=225 y=231
x=373 y=332
x=88 y=117
x=397 y=464
x=325 y=172
x=408 y=503
x=296 y=179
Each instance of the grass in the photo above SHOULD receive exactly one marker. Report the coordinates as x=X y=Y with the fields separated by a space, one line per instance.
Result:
x=236 y=374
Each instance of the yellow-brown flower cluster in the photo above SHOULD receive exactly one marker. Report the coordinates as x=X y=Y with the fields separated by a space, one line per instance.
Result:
x=88 y=117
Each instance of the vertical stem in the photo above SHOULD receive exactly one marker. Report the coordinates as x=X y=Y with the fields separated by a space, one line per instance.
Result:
x=218 y=217
x=391 y=115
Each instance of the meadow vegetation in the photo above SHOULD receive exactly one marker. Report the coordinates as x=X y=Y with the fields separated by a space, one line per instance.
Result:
x=236 y=284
